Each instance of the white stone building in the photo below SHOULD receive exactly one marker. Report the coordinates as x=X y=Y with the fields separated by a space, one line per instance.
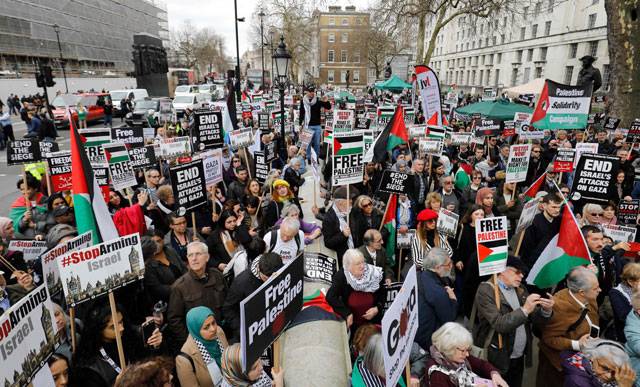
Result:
x=544 y=40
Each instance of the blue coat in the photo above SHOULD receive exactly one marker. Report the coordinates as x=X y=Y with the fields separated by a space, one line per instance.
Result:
x=434 y=307
x=632 y=346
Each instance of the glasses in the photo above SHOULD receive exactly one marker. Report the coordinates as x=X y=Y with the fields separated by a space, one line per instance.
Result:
x=236 y=161
x=596 y=214
x=535 y=151
x=367 y=205
x=448 y=182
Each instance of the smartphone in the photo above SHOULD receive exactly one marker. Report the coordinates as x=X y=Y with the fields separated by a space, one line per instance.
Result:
x=594 y=332
x=148 y=327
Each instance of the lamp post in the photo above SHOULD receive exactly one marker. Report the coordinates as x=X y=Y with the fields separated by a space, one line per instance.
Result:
x=56 y=28
x=235 y=8
x=281 y=57
x=262 y=14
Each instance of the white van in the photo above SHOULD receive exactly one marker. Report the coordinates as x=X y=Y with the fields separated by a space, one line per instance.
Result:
x=183 y=101
x=134 y=94
x=186 y=89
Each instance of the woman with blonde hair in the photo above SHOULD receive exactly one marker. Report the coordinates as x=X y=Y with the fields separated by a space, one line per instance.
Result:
x=82 y=115
x=255 y=376
x=591 y=215
x=433 y=201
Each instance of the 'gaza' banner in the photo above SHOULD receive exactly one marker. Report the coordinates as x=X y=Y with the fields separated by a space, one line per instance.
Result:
x=96 y=270
x=189 y=185
x=27 y=338
x=395 y=182
x=595 y=177
x=207 y=129
x=492 y=244
x=429 y=86
x=562 y=106
x=348 y=165
x=267 y=311
x=628 y=211
x=49 y=260
x=122 y=173
x=23 y=152
x=133 y=137
x=564 y=160
x=212 y=161
x=319 y=267
x=518 y=163
x=399 y=328
x=60 y=170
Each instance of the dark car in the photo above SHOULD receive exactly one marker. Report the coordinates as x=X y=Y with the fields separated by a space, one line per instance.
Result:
x=145 y=108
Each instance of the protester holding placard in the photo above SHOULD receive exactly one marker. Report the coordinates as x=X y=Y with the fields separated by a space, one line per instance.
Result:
x=29 y=209
x=281 y=195
x=363 y=217
x=335 y=229
x=427 y=237
x=162 y=269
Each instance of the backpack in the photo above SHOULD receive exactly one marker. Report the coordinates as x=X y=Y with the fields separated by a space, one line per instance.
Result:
x=274 y=239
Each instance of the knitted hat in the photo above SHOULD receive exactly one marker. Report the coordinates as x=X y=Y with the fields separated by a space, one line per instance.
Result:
x=427 y=214
x=280 y=182
x=58 y=232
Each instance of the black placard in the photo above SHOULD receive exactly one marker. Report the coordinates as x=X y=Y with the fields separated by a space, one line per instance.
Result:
x=628 y=211
x=48 y=147
x=207 y=129
x=263 y=121
x=270 y=151
x=525 y=98
x=133 y=137
x=487 y=127
x=319 y=267
x=142 y=157
x=262 y=167
x=391 y=291
x=23 y=152
x=189 y=184
x=595 y=177
x=634 y=132
x=362 y=123
x=395 y=182
x=266 y=312
x=611 y=123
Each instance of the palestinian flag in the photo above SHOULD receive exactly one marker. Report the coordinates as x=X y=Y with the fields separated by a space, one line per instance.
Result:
x=565 y=251
x=436 y=132
x=95 y=136
x=531 y=192
x=434 y=120
x=347 y=145
x=116 y=153
x=394 y=134
x=491 y=251
x=389 y=223
x=90 y=208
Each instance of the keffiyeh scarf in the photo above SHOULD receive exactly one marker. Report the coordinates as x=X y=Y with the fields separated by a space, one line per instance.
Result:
x=342 y=218
x=370 y=280
x=307 y=108
x=459 y=374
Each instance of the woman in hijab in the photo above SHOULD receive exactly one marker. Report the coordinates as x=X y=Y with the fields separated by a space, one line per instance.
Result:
x=198 y=363
x=486 y=200
x=233 y=376
x=281 y=195
x=15 y=258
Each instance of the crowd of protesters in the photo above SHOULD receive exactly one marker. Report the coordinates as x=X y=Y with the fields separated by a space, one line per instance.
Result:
x=587 y=328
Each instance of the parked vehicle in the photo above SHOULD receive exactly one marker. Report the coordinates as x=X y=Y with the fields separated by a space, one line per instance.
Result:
x=118 y=95
x=93 y=102
x=142 y=109
x=186 y=89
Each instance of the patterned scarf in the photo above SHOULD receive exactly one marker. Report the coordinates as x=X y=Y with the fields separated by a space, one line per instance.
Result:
x=369 y=282
x=204 y=351
x=459 y=374
x=342 y=218
x=232 y=370
x=369 y=378
x=307 y=108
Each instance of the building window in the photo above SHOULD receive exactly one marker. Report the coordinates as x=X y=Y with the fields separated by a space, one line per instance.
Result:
x=527 y=73
x=343 y=56
x=332 y=21
x=356 y=76
x=499 y=58
x=519 y=56
x=530 y=55
x=543 y=54
x=550 y=6
x=359 y=21
x=483 y=59
x=514 y=76
x=330 y=76
x=523 y=31
x=343 y=76
x=504 y=21
x=592 y=21
x=568 y=74
x=331 y=56
x=534 y=31
x=502 y=37
x=606 y=77
x=497 y=76
x=356 y=56
x=332 y=37
x=345 y=22
x=593 y=48
x=538 y=9
x=538 y=72
x=345 y=37
x=573 y=50
x=473 y=77
x=547 y=28
x=481 y=28
x=494 y=40
x=491 y=59
x=525 y=12
x=488 y=76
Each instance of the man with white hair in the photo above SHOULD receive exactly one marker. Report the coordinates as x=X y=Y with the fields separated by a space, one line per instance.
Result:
x=288 y=241
x=573 y=324
x=437 y=303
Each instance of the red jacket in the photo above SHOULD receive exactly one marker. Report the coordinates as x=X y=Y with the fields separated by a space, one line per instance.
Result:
x=129 y=220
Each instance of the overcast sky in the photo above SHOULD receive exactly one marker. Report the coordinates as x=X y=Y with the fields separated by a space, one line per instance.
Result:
x=218 y=15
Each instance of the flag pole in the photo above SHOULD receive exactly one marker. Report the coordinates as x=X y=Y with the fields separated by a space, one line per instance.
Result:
x=72 y=318
x=384 y=214
x=114 y=317
x=399 y=261
x=496 y=293
x=193 y=222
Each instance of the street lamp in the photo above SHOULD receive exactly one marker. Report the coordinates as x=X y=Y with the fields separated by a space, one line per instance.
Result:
x=235 y=6
x=56 y=28
x=281 y=57
x=262 y=14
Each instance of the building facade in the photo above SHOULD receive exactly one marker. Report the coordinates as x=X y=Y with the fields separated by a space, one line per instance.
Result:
x=341 y=47
x=95 y=35
x=545 y=40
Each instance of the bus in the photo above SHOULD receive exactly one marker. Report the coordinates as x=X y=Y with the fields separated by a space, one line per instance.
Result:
x=255 y=76
x=178 y=77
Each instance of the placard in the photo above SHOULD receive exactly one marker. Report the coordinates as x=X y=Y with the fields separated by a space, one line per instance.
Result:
x=348 y=166
x=409 y=116
x=30 y=249
x=436 y=132
x=520 y=119
x=319 y=267
x=166 y=111
x=399 y=328
x=428 y=146
x=23 y=152
x=304 y=138
x=595 y=177
x=562 y=106
x=363 y=123
x=403 y=241
x=93 y=139
x=628 y=211
x=619 y=233
x=189 y=185
x=48 y=147
x=528 y=133
x=207 y=129
x=395 y=182
x=241 y=138
x=492 y=244
x=343 y=121
x=96 y=270
x=212 y=162
x=133 y=137
x=175 y=147
x=385 y=113
x=564 y=160
x=518 y=163
x=263 y=121
x=29 y=337
x=270 y=151
x=487 y=127
x=49 y=259
x=611 y=123
x=633 y=135
x=529 y=211
x=102 y=177
x=458 y=139
x=120 y=169
x=60 y=170
x=417 y=131
x=447 y=222
x=391 y=291
x=142 y=157
x=584 y=147
x=267 y=311
x=262 y=167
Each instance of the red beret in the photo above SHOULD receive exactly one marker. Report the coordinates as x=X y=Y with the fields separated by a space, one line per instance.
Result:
x=427 y=214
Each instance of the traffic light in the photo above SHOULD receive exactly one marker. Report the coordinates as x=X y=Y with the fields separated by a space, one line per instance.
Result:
x=48 y=76
x=39 y=79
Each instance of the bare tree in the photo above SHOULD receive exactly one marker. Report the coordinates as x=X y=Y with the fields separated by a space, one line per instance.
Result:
x=201 y=49
x=623 y=27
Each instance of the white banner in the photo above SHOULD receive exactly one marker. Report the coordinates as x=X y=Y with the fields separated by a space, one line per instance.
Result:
x=30 y=249
x=447 y=222
x=430 y=93
x=518 y=163
x=212 y=160
x=49 y=260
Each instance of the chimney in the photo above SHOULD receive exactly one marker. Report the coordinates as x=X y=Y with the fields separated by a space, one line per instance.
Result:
x=335 y=8
x=351 y=8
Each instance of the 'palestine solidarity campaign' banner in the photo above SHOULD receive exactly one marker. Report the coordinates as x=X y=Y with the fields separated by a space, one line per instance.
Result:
x=562 y=106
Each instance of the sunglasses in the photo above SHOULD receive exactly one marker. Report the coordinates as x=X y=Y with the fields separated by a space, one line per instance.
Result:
x=367 y=205
x=596 y=214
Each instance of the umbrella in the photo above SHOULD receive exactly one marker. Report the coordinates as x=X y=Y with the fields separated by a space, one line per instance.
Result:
x=344 y=96
x=500 y=109
x=533 y=87
x=393 y=84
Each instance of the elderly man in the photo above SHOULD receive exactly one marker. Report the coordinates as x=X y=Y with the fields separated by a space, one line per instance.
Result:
x=451 y=198
x=574 y=322
x=200 y=286
x=335 y=229
x=437 y=303
x=374 y=254
x=513 y=320
x=287 y=241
